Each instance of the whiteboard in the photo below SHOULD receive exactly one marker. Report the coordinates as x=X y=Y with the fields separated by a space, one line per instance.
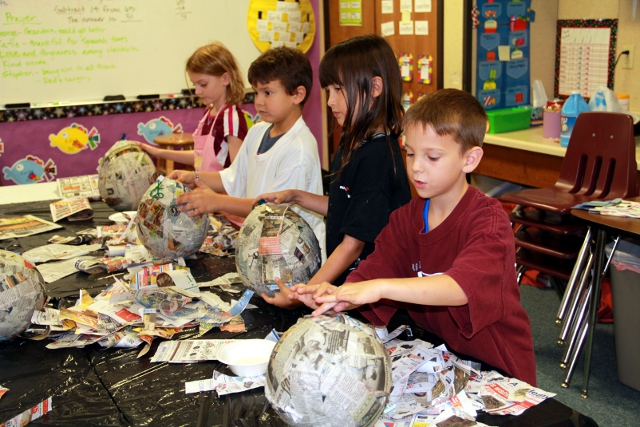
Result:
x=79 y=51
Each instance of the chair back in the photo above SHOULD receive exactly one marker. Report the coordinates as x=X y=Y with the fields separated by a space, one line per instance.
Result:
x=600 y=161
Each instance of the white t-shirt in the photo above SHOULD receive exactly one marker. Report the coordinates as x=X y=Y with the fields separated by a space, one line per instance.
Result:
x=292 y=163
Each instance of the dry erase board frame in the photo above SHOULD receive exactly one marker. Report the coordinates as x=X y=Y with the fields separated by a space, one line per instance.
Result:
x=57 y=51
x=607 y=58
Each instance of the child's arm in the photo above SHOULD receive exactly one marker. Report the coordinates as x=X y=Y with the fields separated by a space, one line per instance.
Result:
x=234 y=146
x=179 y=156
x=438 y=290
x=205 y=200
x=313 y=202
x=345 y=254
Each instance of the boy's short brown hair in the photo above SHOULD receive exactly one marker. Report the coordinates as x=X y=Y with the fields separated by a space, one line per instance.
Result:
x=450 y=112
x=288 y=65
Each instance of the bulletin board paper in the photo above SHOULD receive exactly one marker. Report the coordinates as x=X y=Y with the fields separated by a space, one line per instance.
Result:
x=585 y=55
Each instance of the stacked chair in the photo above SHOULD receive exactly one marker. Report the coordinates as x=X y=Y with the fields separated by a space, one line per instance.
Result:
x=600 y=164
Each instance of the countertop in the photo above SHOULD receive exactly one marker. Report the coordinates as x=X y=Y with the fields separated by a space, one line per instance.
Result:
x=531 y=140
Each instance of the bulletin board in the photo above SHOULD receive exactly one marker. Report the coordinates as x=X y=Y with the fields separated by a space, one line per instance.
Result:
x=59 y=52
x=585 y=55
x=414 y=31
x=503 y=53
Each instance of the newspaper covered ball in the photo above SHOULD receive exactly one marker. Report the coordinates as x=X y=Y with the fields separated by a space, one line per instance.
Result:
x=275 y=242
x=21 y=293
x=124 y=174
x=162 y=228
x=329 y=371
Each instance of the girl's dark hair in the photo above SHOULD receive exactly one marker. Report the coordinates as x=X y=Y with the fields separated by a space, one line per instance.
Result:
x=352 y=64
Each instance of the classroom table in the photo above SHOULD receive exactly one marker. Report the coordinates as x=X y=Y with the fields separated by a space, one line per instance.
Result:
x=95 y=386
x=603 y=225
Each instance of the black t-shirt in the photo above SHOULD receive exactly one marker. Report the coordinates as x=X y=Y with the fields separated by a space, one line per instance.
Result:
x=363 y=196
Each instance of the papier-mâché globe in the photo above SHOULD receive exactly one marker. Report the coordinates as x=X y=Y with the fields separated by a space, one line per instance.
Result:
x=329 y=371
x=21 y=293
x=124 y=174
x=162 y=228
x=275 y=242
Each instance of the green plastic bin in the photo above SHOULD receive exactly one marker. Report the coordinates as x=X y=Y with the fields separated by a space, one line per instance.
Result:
x=509 y=119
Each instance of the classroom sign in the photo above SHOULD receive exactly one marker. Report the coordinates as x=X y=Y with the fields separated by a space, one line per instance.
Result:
x=503 y=52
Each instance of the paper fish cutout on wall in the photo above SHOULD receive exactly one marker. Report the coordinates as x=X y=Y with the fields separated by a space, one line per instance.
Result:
x=30 y=170
x=75 y=138
x=157 y=127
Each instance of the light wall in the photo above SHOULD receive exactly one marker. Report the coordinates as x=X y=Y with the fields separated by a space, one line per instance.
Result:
x=452 y=67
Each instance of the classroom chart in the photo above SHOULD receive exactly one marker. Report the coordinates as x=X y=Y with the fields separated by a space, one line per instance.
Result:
x=584 y=59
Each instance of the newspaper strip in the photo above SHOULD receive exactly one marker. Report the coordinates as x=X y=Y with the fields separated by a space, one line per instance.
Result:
x=30 y=414
x=74 y=187
x=72 y=209
x=58 y=251
x=25 y=225
x=224 y=282
x=53 y=271
x=225 y=384
x=188 y=351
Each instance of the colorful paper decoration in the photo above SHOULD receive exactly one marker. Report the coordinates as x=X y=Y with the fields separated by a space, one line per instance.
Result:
x=273 y=23
x=405 y=62
x=425 y=69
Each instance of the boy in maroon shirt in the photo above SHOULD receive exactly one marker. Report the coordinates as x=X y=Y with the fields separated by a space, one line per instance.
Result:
x=447 y=257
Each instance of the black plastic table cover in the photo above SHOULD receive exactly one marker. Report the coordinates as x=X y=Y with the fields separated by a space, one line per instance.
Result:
x=113 y=387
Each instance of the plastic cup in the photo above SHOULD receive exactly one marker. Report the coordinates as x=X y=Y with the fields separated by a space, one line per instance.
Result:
x=551 y=124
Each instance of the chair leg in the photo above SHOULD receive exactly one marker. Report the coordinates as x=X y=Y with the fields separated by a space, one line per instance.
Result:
x=575 y=274
x=593 y=309
x=574 y=333
x=573 y=360
x=575 y=300
x=520 y=273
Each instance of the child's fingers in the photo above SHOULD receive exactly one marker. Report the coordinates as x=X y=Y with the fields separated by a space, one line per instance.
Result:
x=341 y=306
x=302 y=289
x=201 y=185
x=284 y=289
x=323 y=309
x=324 y=288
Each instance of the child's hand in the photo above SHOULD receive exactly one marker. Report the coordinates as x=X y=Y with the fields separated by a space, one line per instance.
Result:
x=186 y=177
x=285 y=196
x=153 y=151
x=308 y=294
x=282 y=298
x=347 y=297
x=201 y=200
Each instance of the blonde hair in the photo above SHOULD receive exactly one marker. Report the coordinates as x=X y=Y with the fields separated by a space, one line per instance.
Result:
x=215 y=59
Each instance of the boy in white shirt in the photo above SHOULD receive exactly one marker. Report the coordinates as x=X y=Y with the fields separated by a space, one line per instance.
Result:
x=277 y=154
